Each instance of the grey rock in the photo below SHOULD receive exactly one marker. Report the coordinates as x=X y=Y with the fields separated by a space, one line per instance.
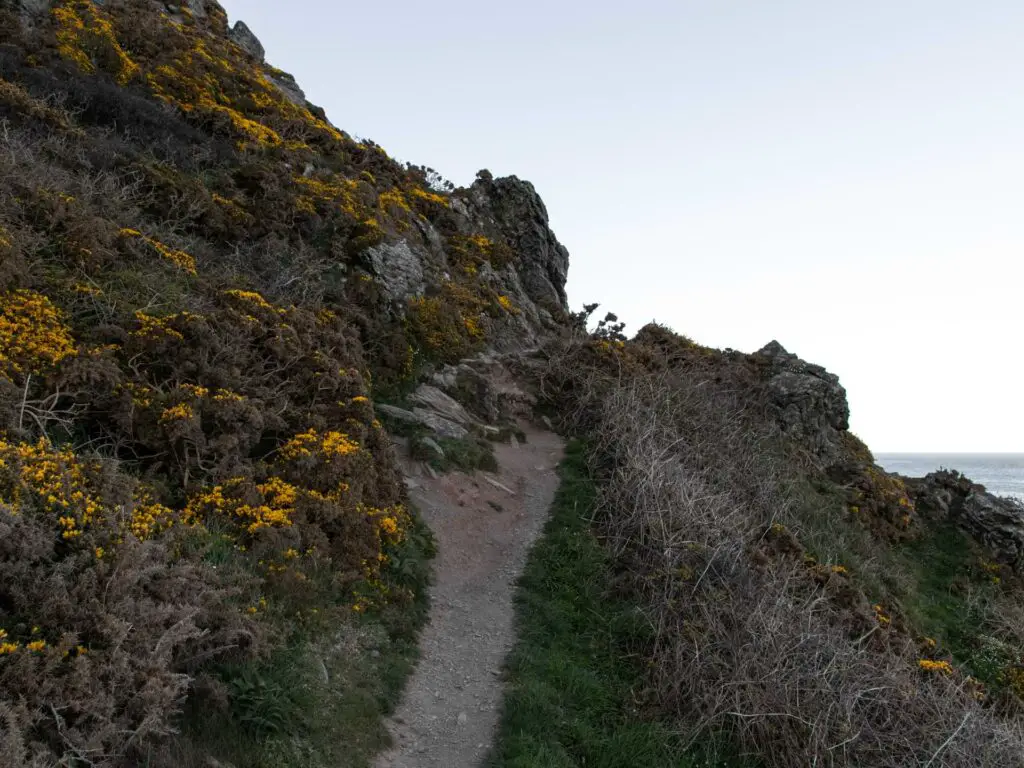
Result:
x=436 y=423
x=431 y=444
x=36 y=7
x=398 y=414
x=997 y=523
x=486 y=388
x=245 y=39
x=439 y=425
x=434 y=399
x=519 y=213
x=287 y=85
x=809 y=403
x=398 y=268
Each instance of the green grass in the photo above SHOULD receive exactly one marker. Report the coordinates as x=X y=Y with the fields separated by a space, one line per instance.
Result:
x=574 y=673
x=935 y=580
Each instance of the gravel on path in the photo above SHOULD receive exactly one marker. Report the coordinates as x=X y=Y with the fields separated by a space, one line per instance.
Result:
x=485 y=525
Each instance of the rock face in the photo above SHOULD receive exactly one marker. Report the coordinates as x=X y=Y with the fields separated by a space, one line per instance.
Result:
x=808 y=401
x=398 y=268
x=247 y=41
x=532 y=277
x=997 y=523
x=517 y=211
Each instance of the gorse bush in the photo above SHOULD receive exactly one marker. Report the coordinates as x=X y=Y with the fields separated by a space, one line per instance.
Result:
x=192 y=477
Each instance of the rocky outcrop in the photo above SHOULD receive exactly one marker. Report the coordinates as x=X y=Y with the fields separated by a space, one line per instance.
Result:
x=995 y=522
x=247 y=40
x=515 y=209
x=808 y=402
x=488 y=388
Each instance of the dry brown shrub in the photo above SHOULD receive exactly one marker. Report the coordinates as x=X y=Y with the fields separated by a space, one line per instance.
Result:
x=120 y=634
x=693 y=484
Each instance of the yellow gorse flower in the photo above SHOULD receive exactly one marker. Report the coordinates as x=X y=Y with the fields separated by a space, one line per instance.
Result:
x=33 y=335
x=942 y=667
x=328 y=445
x=180 y=259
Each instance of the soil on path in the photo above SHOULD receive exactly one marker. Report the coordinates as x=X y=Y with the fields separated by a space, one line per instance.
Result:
x=485 y=524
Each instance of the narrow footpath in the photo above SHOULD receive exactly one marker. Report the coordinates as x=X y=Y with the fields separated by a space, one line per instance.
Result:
x=485 y=524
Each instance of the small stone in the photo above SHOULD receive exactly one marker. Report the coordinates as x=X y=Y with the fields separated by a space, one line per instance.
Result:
x=463 y=717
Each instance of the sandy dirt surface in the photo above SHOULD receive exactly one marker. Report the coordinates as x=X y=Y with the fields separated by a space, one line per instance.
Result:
x=485 y=524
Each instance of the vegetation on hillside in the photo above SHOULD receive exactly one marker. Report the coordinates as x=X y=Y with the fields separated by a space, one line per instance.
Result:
x=201 y=522
x=797 y=617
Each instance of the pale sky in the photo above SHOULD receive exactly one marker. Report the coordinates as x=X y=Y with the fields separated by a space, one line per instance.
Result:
x=845 y=177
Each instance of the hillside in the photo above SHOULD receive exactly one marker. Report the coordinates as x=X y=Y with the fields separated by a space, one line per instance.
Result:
x=202 y=285
x=219 y=316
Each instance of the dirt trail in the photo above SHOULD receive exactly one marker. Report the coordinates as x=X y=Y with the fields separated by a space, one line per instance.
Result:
x=452 y=703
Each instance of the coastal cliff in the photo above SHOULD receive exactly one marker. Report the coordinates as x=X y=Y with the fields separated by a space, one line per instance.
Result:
x=219 y=316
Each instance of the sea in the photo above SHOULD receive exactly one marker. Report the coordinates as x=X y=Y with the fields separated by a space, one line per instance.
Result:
x=1000 y=473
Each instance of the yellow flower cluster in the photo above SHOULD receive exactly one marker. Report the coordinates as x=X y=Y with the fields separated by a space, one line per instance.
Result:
x=392 y=522
x=87 y=290
x=33 y=335
x=5 y=645
x=880 y=614
x=154 y=327
x=251 y=297
x=329 y=444
x=506 y=303
x=929 y=665
x=1014 y=679
x=179 y=412
x=393 y=198
x=83 y=32
x=150 y=518
x=193 y=390
x=276 y=510
x=180 y=259
x=227 y=396
x=55 y=478
x=336 y=192
x=429 y=197
x=142 y=395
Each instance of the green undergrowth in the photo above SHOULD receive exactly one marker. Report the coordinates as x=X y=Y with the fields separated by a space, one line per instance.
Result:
x=319 y=698
x=947 y=596
x=574 y=674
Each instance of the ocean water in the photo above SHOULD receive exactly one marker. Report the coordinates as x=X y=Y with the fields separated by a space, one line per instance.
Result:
x=1000 y=473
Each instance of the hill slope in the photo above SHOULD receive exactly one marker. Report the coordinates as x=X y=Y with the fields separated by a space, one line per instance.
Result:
x=202 y=283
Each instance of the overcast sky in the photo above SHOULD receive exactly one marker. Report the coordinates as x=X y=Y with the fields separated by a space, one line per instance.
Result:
x=845 y=177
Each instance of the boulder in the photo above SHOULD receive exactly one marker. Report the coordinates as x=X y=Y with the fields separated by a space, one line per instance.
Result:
x=431 y=445
x=397 y=414
x=439 y=425
x=436 y=423
x=434 y=399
